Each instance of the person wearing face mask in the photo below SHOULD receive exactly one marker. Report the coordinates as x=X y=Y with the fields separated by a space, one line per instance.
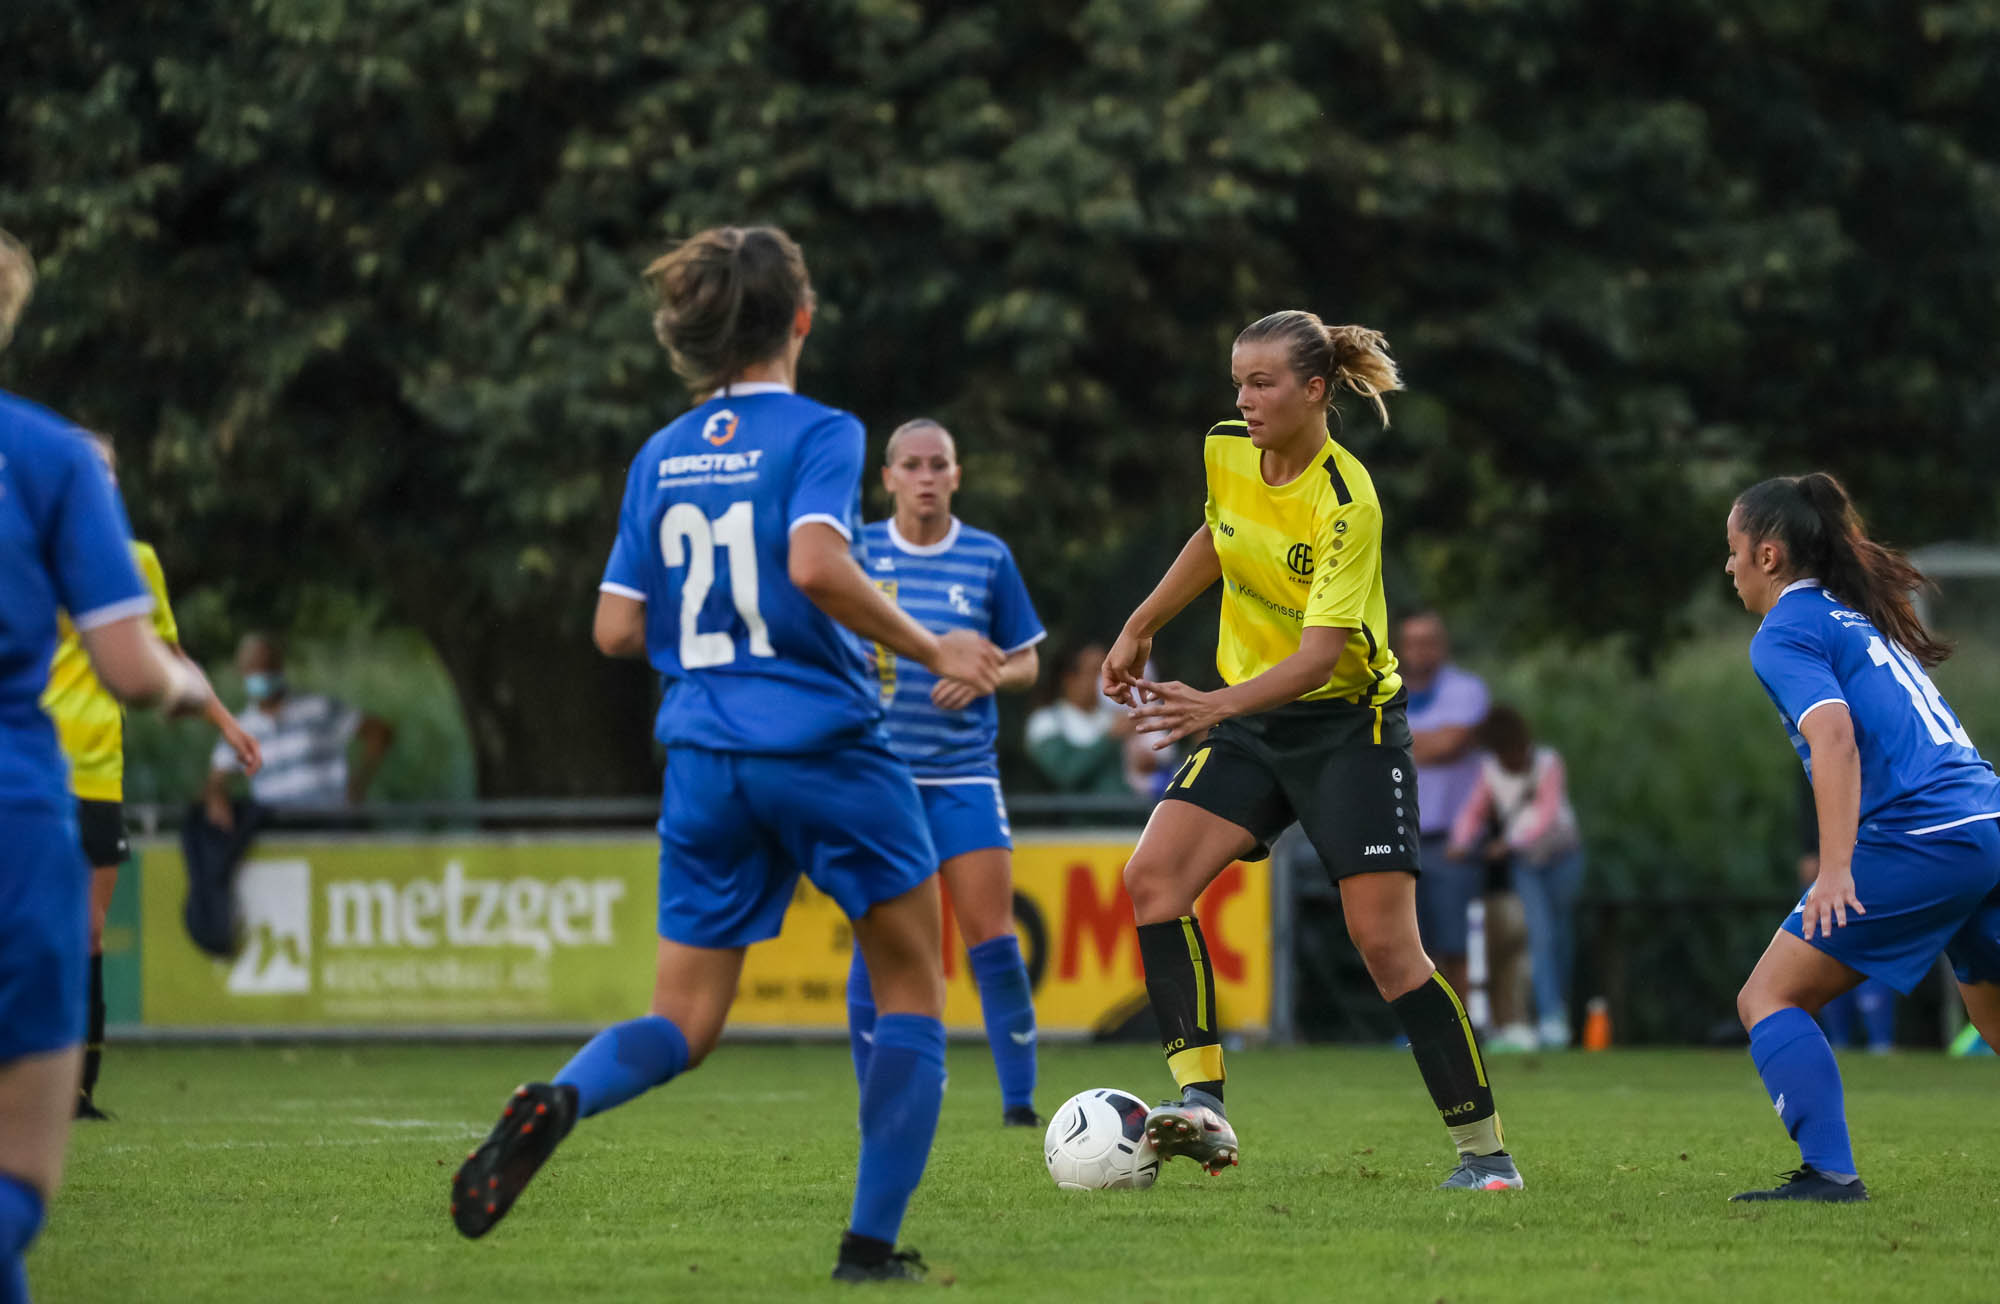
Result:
x=305 y=739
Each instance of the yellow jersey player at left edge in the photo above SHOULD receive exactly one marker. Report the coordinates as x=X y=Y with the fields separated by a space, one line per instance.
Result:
x=90 y=723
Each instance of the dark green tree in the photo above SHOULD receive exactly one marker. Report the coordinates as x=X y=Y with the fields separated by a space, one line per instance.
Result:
x=356 y=282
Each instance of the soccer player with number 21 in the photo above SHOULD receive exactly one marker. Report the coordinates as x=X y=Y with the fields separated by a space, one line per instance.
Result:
x=733 y=572
x=1909 y=852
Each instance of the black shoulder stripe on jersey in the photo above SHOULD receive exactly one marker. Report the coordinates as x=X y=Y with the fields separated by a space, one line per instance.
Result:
x=1369 y=634
x=1238 y=429
x=1339 y=485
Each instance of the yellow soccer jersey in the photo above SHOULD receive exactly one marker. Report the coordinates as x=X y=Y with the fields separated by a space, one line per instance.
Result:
x=1298 y=554
x=88 y=718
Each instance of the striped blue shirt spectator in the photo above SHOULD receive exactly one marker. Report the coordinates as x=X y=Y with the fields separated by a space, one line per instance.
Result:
x=305 y=740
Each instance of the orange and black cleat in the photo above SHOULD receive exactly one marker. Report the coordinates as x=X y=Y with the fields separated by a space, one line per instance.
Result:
x=492 y=1177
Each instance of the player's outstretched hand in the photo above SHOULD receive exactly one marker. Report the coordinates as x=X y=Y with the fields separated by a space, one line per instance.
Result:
x=1828 y=901
x=953 y=695
x=1123 y=666
x=1173 y=711
x=249 y=755
x=970 y=659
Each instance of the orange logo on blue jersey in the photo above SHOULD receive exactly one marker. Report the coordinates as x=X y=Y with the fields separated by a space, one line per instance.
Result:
x=720 y=428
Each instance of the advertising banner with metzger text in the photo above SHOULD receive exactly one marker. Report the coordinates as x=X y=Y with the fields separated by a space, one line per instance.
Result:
x=448 y=932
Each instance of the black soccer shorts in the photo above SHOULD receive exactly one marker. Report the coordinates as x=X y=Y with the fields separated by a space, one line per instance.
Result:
x=100 y=826
x=1342 y=771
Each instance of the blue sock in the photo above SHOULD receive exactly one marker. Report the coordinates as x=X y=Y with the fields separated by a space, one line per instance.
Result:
x=21 y=1213
x=1010 y=1016
x=899 y=1114
x=860 y=1015
x=1836 y=1018
x=625 y=1060
x=1877 y=1002
x=1803 y=1081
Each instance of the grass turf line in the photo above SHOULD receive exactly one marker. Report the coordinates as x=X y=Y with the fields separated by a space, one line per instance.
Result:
x=321 y=1173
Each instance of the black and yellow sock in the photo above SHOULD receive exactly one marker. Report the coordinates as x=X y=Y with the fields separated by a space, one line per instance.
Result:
x=93 y=1041
x=1447 y=1054
x=1180 y=982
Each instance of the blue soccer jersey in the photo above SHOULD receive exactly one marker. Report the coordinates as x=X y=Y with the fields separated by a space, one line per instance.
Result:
x=1919 y=770
x=750 y=664
x=967 y=580
x=63 y=544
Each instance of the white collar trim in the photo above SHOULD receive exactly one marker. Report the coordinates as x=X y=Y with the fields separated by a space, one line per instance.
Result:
x=1802 y=584
x=743 y=387
x=924 y=549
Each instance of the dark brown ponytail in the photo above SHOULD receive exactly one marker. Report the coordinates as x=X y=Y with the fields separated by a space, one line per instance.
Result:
x=1815 y=520
x=727 y=297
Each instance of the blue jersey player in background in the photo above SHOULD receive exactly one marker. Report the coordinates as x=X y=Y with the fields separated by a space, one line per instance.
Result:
x=950 y=576
x=1909 y=848
x=64 y=546
x=733 y=573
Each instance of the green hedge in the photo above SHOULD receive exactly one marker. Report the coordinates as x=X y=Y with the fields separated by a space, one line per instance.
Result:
x=392 y=673
x=1683 y=780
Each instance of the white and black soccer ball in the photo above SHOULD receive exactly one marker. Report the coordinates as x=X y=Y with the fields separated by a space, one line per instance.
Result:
x=1097 y=1142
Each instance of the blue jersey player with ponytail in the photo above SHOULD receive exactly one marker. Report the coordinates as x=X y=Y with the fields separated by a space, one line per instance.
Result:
x=1909 y=812
x=950 y=576
x=732 y=572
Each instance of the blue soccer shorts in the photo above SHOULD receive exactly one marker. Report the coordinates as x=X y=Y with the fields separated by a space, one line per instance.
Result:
x=1924 y=894
x=737 y=830
x=44 y=932
x=966 y=816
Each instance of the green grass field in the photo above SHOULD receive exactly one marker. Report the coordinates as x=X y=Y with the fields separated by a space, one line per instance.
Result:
x=320 y=1173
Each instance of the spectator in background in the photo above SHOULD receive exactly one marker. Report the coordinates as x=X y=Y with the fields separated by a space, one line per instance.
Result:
x=1519 y=811
x=1446 y=705
x=304 y=738
x=1871 y=1001
x=1079 y=740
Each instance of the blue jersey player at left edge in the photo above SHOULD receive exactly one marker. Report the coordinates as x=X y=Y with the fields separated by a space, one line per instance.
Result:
x=951 y=576
x=1908 y=810
x=64 y=547
x=733 y=573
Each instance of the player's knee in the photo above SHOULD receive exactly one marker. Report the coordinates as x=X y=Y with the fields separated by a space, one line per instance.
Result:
x=1150 y=886
x=1751 y=1005
x=977 y=931
x=911 y=989
x=1395 y=959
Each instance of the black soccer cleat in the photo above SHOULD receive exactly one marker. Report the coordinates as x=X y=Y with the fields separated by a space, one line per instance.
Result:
x=1021 y=1116
x=1808 y=1183
x=902 y=1265
x=484 y=1188
x=86 y=1108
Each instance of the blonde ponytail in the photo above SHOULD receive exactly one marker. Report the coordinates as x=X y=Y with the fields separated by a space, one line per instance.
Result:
x=1361 y=362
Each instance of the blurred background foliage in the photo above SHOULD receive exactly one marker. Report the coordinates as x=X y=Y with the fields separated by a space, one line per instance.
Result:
x=354 y=284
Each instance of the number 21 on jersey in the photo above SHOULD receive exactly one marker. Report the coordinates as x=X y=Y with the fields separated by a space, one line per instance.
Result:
x=688 y=538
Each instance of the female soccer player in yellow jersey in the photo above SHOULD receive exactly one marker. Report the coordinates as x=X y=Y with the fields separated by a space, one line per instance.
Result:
x=90 y=724
x=1310 y=728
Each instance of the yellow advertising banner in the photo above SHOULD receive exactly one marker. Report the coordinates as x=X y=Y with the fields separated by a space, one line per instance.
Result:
x=347 y=933
x=1075 y=922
